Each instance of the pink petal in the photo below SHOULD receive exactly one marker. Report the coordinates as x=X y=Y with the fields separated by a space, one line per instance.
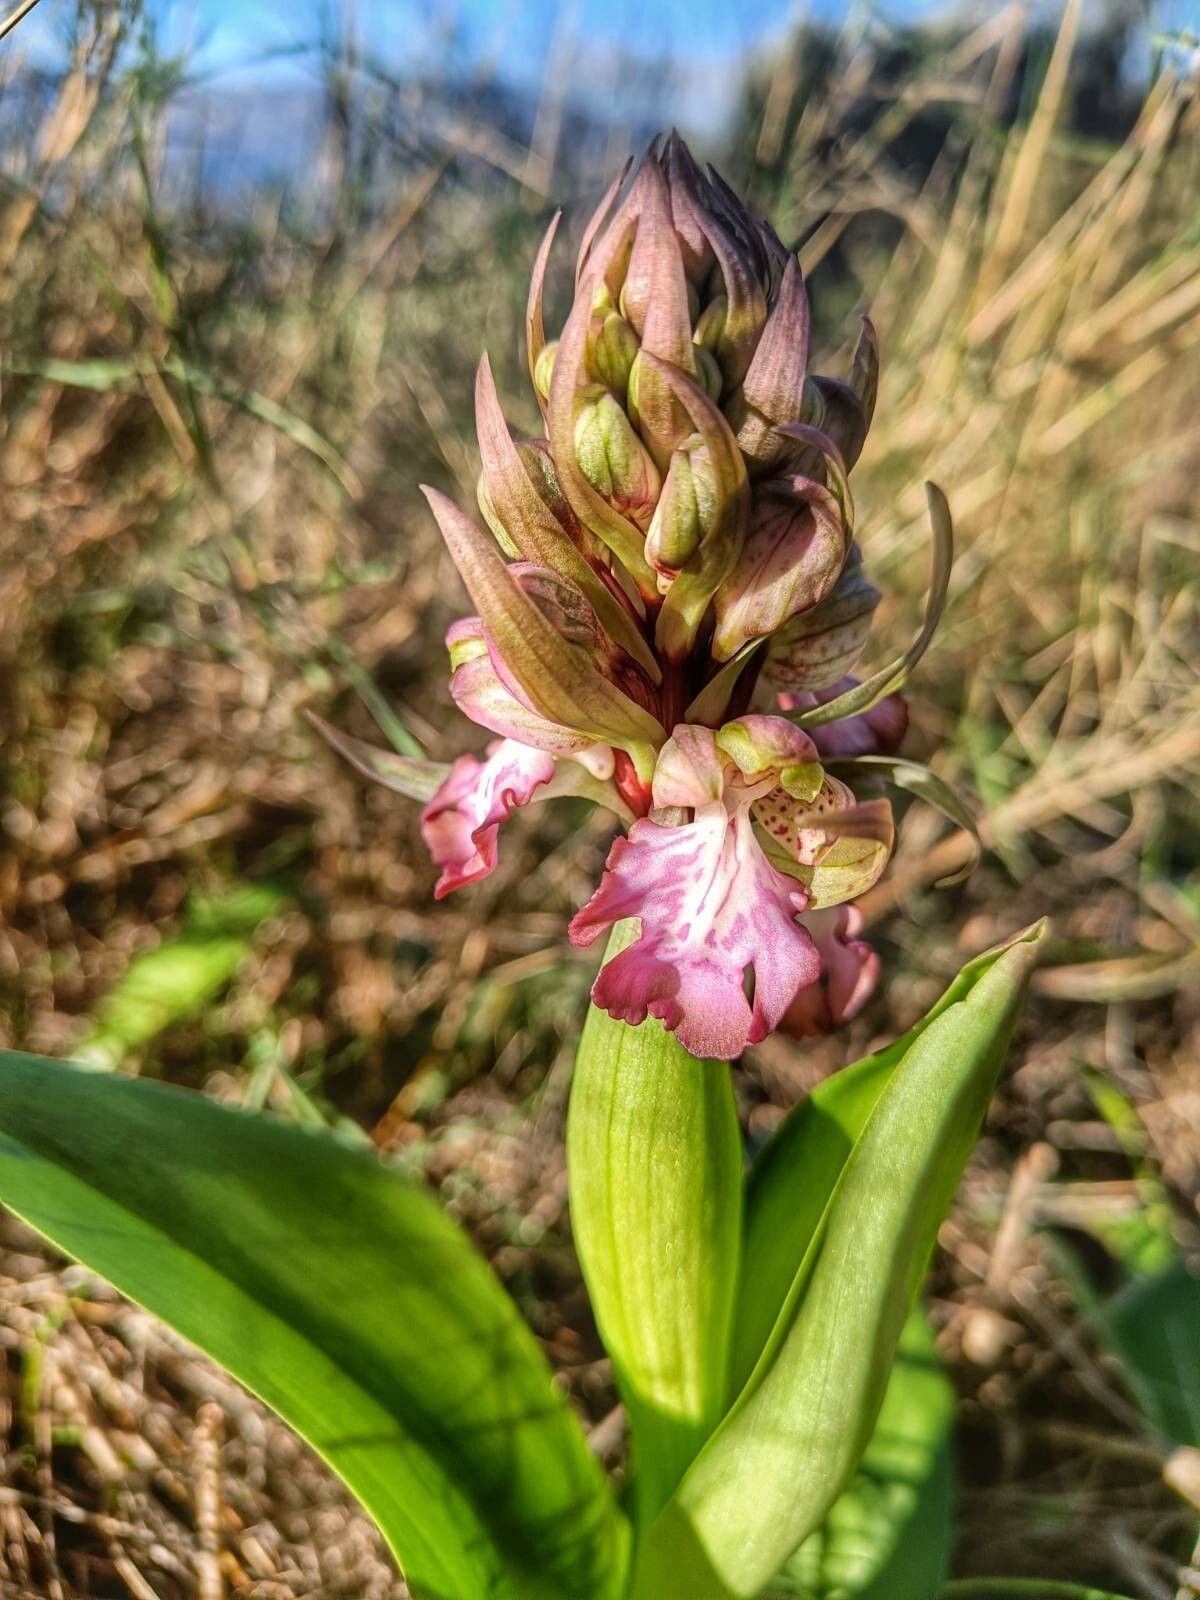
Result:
x=460 y=823
x=478 y=691
x=712 y=908
x=688 y=771
x=850 y=971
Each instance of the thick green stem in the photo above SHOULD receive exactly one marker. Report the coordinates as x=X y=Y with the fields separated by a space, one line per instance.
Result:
x=655 y=1163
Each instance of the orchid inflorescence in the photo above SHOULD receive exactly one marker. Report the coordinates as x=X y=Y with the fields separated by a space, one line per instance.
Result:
x=669 y=603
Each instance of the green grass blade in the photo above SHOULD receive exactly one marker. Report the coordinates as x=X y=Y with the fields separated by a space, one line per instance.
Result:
x=342 y=1296
x=180 y=976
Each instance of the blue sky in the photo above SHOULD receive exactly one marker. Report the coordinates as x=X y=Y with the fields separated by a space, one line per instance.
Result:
x=273 y=43
x=271 y=35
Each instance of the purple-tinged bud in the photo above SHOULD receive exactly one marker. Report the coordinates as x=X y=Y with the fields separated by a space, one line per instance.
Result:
x=820 y=646
x=772 y=391
x=849 y=407
x=685 y=185
x=790 y=562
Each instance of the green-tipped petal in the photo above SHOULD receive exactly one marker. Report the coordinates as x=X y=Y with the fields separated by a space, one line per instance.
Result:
x=558 y=679
x=536 y=532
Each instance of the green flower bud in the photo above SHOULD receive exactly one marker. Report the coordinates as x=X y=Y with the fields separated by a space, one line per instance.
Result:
x=710 y=328
x=543 y=368
x=708 y=371
x=685 y=510
x=612 y=457
x=612 y=352
x=488 y=510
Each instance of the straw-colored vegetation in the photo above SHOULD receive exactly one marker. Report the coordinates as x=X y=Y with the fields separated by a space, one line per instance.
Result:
x=212 y=434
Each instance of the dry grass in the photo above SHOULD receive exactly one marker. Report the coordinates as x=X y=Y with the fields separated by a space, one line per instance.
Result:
x=208 y=459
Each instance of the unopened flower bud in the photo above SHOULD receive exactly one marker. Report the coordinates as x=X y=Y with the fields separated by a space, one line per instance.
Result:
x=543 y=368
x=820 y=646
x=790 y=562
x=613 y=459
x=710 y=326
x=684 y=512
x=708 y=372
x=612 y=353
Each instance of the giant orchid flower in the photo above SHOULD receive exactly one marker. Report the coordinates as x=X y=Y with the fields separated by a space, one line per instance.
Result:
x=669 y=600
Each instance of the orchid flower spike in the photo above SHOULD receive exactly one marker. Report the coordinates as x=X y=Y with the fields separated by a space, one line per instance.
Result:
x=668 y=602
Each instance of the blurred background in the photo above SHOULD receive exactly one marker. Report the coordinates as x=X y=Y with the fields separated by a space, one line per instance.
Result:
x=249 y=256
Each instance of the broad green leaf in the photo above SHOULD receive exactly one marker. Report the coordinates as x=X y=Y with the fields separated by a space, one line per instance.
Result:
x=181 y=975
x=790 y=1184
x=342 y=1296
x=793 y=1439
x=889 y=1536
x=1153 y=1326
x=655 y=1161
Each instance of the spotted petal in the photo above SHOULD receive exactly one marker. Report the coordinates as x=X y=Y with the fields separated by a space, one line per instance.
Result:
x=460 y=823
x=835 y=845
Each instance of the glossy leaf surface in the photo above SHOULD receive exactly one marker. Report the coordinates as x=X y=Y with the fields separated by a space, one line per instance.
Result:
x=341 y=1295
x=796 y=1434
x=889 y=1536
